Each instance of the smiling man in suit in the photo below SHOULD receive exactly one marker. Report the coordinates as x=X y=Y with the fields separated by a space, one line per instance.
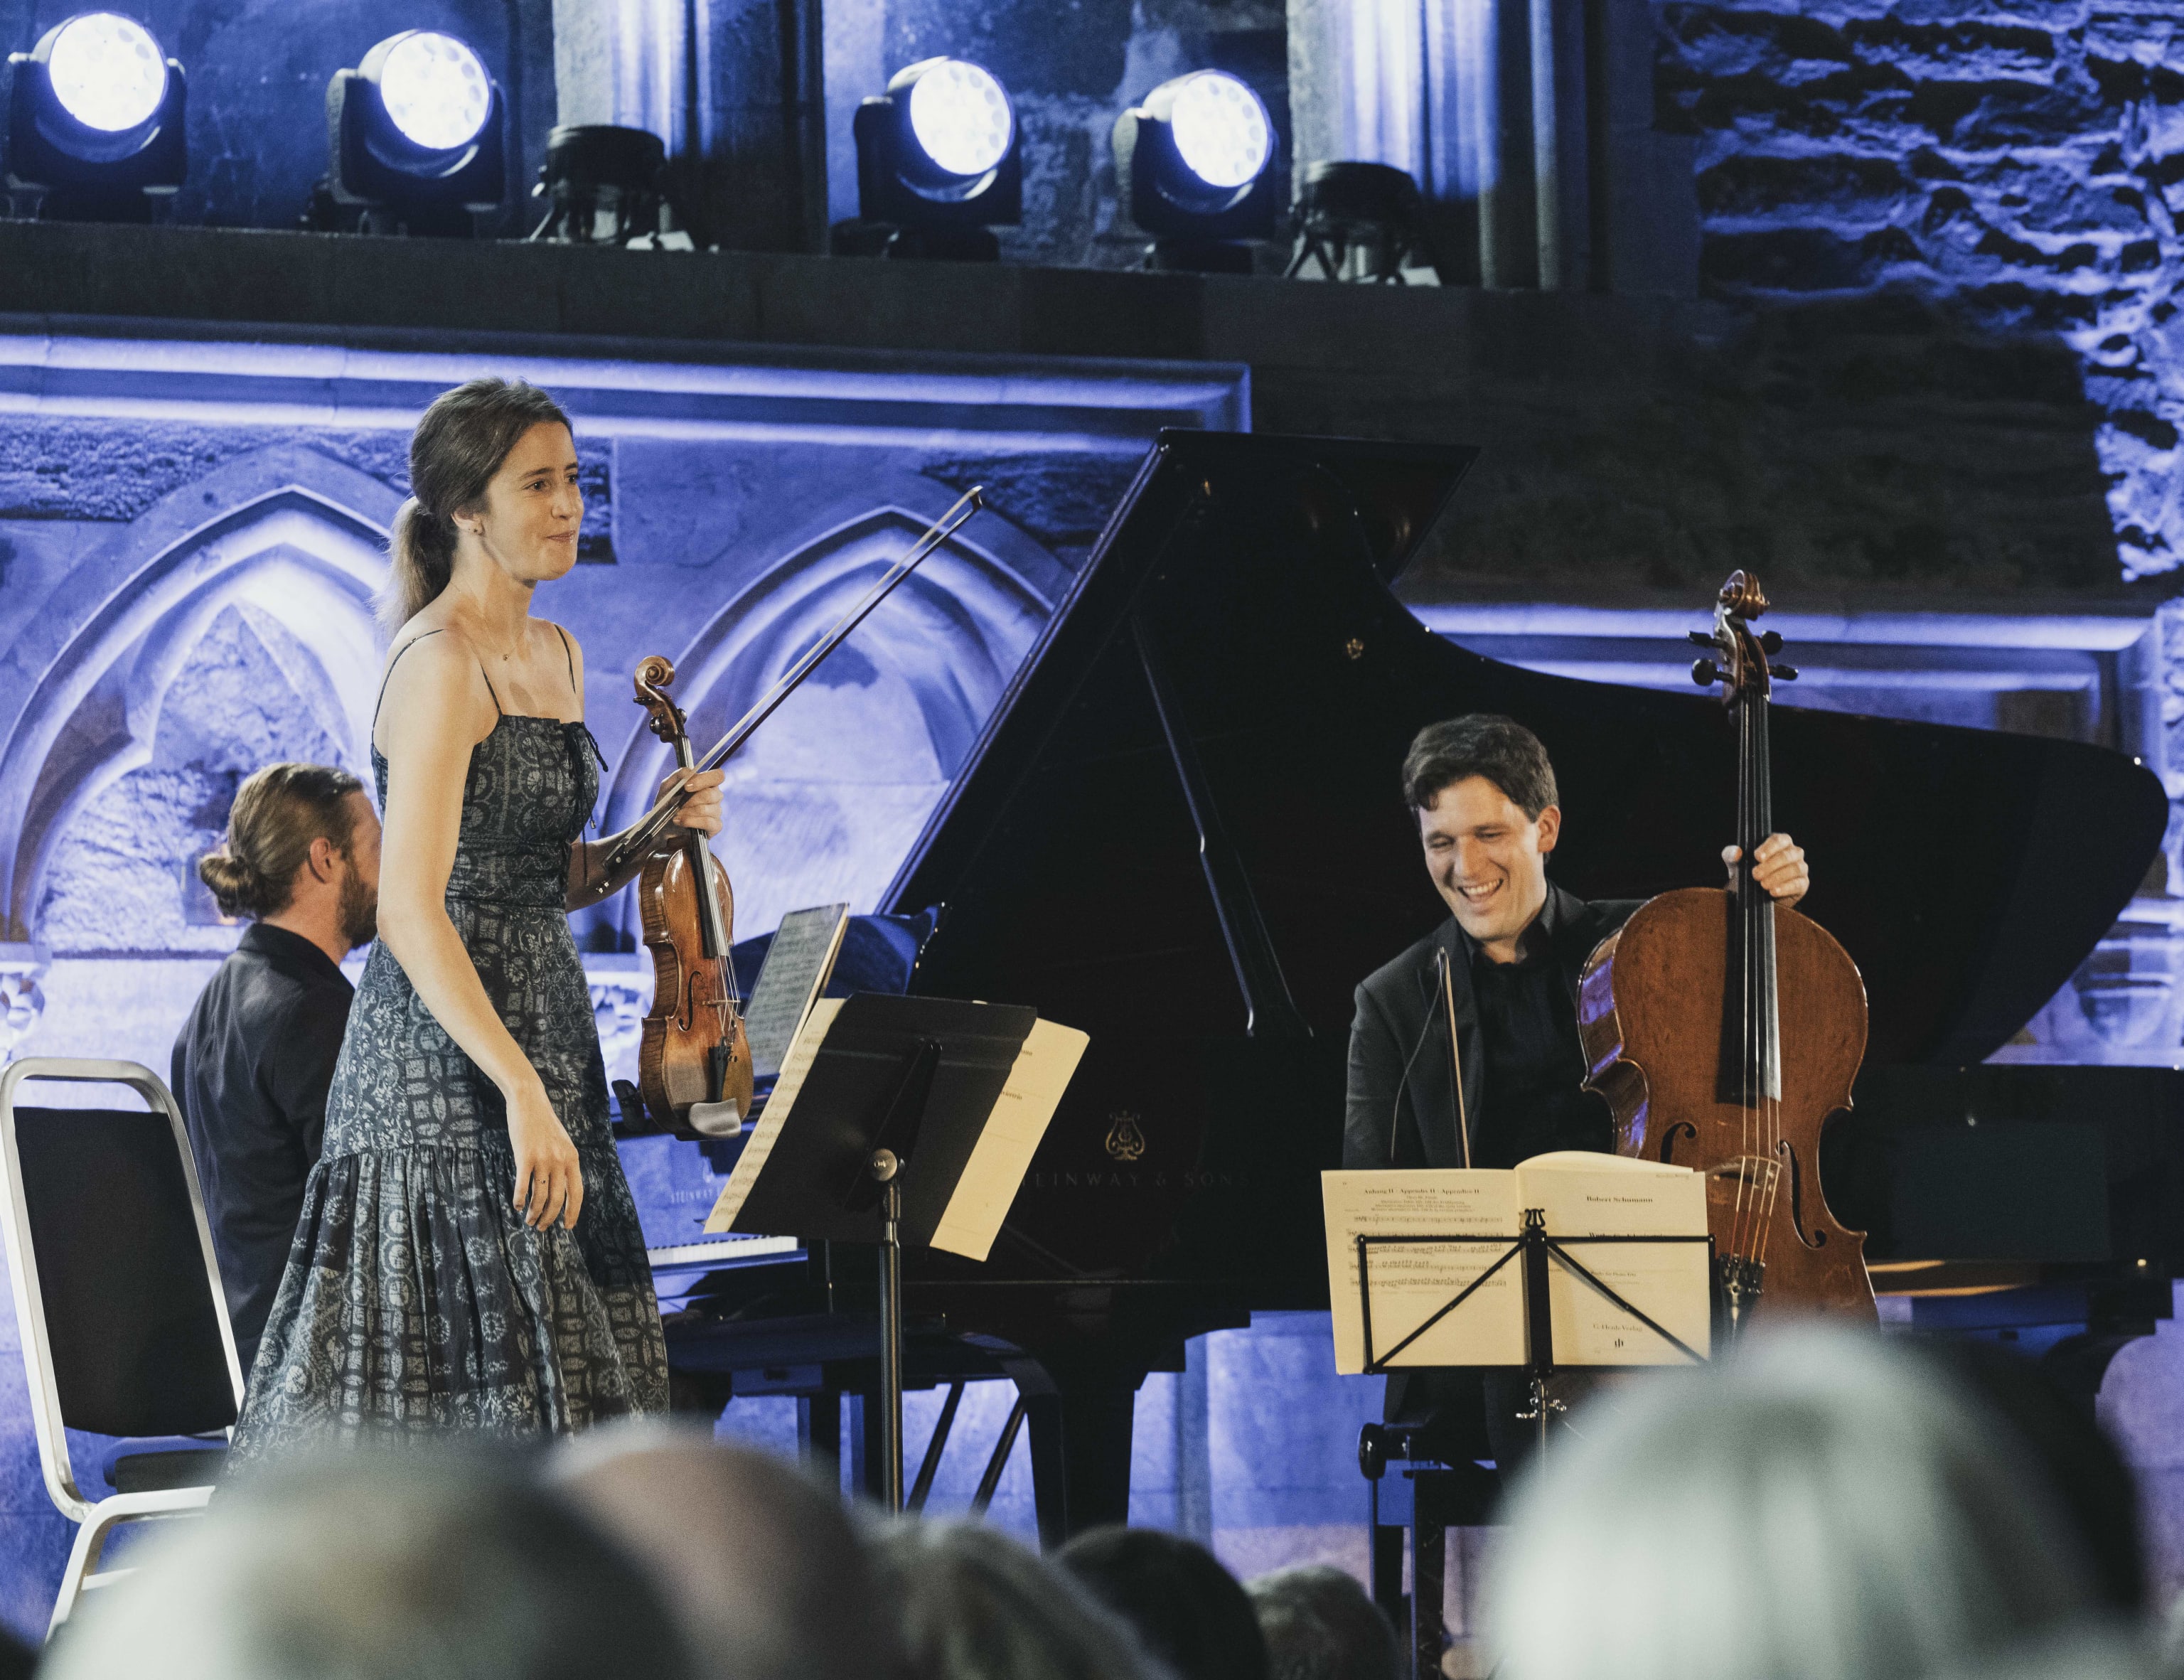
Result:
x=1516 y=944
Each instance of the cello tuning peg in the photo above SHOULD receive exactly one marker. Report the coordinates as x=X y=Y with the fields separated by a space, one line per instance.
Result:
x=1705 y=673
x=1787 y=673
x=1698 y=638
x=1771 y=642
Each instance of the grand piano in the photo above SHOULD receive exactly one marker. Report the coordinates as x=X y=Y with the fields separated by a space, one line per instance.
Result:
x=1181 y=831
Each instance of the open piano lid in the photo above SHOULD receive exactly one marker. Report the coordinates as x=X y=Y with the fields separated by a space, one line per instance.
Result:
x=1183 y=816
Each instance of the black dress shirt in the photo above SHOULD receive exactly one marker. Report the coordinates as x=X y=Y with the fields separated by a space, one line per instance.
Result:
x=1534 y=1099
x=251 y=1070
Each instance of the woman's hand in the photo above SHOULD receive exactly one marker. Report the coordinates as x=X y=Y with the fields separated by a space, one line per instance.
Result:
x=699 y=812
x=550 y=1184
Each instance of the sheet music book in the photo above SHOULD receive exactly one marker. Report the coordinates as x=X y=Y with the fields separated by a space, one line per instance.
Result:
x=988 y=1184
x=797 y=964
x=1581 y=1194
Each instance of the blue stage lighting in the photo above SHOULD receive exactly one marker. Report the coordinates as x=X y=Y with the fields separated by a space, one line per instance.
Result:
x=1221 y=129
x=962 y=117
x=95 y=120
x=435 y=91
x=1198 y=159
x=938 y=165
x=414 y=134
x=107 y=72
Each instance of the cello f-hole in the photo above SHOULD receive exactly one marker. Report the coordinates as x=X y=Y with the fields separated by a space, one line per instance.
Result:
x=1681 y=1128
x=1816 y=1239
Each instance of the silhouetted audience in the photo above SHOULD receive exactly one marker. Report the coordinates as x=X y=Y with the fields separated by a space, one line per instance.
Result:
x=1819 y=1506
x=973 y=1604
x=760 y=1562
x=1186 y=1609
x=374 y=1567
x=1319 y=1624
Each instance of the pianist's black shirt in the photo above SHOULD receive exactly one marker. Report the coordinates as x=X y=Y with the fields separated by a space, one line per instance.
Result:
x=251 y=1070
x=1535 y=1063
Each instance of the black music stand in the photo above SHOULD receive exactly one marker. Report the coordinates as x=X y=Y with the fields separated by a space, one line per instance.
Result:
x=1533 y=1247
x=876 y=1139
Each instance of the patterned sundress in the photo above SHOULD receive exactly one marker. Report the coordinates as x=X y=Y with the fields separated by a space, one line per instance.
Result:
x=417 y=1301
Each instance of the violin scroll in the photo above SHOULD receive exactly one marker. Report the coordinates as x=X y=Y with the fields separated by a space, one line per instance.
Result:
x=655 y=673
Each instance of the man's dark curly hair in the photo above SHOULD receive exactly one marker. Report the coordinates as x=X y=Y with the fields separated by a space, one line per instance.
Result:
x=1479 y=744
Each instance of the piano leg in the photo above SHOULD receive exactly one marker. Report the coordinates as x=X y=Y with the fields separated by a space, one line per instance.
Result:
x=1080 y=1454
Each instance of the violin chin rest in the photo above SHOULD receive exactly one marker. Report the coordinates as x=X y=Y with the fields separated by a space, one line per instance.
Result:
x=715 y=1119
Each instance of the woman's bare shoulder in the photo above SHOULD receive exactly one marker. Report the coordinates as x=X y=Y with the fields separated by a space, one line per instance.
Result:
x=432 y=671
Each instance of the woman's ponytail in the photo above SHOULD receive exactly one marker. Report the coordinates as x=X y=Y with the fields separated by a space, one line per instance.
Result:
x=420 y=559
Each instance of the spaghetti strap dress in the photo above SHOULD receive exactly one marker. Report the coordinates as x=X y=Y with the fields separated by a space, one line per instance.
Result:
x=417 y=1301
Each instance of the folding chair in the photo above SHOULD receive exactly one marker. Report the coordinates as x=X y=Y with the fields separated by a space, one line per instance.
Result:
x=124 y=1329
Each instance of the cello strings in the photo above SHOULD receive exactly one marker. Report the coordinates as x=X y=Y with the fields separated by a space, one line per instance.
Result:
x=1747 y=1190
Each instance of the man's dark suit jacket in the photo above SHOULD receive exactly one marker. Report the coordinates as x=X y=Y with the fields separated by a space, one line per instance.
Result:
x=1397 y=1006
x=251 y=1070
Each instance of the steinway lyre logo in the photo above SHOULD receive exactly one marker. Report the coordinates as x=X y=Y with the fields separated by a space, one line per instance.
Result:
x=1125 y=1143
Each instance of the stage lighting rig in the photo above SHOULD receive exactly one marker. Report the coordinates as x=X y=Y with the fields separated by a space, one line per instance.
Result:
x=95 y=121
x=1197 y=158
x=412 y=140
x=603 y=186
x=938 y=166
x=1371 y=210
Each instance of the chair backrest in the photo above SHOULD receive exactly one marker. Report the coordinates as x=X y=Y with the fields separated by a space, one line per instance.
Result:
x=125 y=1326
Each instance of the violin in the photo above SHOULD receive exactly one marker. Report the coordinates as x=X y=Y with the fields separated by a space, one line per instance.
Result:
x=693 y=1062
x=1725 y=1030
x=693 y=1058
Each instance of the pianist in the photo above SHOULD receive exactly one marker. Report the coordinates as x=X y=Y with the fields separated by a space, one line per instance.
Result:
x=254 y=1061
x=1485 y=797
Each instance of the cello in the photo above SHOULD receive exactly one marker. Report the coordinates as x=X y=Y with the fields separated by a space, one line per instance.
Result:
x=1724 y=1031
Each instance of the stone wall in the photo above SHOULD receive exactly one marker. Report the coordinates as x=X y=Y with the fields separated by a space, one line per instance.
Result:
x=2017 y=164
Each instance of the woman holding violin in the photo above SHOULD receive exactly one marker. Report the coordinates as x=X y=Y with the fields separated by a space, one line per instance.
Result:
x=469 y=1256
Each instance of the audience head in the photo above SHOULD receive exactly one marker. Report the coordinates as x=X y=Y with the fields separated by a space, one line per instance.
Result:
x=299 y=833
x=1186 y=1609
x=973 y=1604
x=761 y=1563
x=1319 y=1624
x=372 y=1566
x=1819 y=1506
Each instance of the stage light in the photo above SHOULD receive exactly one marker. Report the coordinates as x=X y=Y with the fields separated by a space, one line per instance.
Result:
x=938 y=166
x=1371 y=210
x=1197 y=157
x=436 y=92
x=95 y=121
x=107 y=72
x=414 y=140
x=603 y=185
x=961 y=116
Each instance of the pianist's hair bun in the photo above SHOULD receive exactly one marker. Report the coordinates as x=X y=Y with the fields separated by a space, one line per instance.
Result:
x=278 y=811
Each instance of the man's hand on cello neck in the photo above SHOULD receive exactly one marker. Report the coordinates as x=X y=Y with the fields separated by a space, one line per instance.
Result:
x=1779 y=867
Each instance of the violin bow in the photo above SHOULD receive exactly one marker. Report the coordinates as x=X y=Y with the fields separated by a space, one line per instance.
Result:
x=642 y=835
